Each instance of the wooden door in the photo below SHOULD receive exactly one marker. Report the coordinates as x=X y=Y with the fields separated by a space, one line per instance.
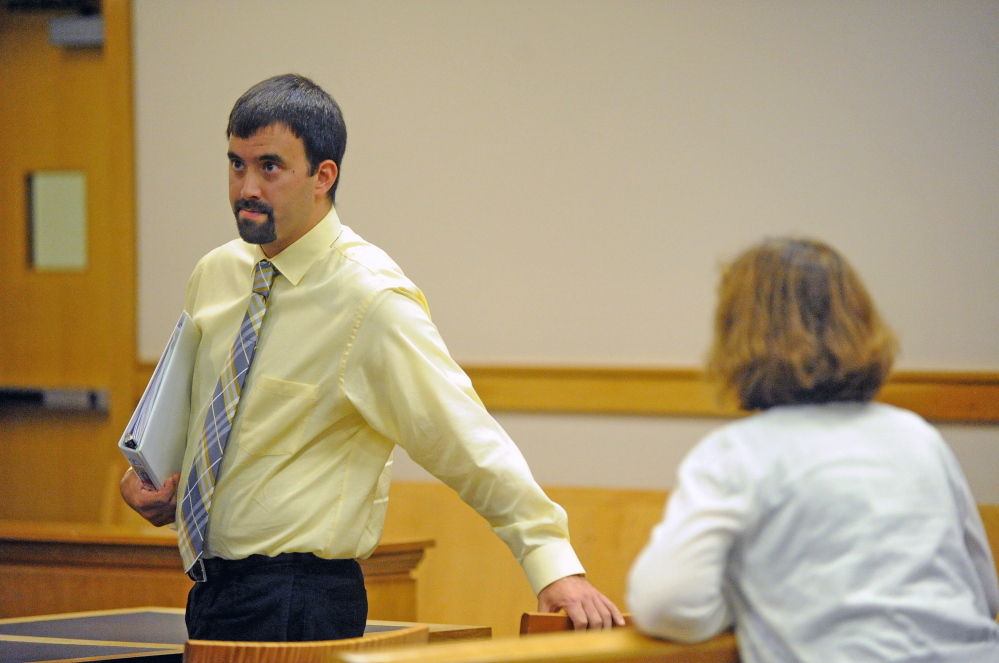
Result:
x=63 y=109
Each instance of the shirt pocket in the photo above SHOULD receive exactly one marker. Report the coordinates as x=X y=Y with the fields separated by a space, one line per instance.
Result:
x=275 y=416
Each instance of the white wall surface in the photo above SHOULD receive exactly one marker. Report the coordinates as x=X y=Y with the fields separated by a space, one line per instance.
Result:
x=563 y=178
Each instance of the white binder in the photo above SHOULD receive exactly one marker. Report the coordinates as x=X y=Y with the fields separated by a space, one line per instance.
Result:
x=156 y=436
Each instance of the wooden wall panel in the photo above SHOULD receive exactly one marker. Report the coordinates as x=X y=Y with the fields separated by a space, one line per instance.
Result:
x=470 y=577
x=58 y=589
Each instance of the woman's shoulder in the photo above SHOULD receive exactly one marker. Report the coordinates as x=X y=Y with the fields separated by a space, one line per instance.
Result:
x=807 y=434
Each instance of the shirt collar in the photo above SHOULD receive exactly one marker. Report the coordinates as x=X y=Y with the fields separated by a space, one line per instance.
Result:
x=296 y=260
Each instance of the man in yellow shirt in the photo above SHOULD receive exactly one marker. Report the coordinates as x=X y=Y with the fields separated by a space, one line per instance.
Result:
x=340 y=364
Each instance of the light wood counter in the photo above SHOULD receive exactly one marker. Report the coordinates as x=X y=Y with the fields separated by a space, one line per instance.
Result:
x=48 y=568
x=618 y=645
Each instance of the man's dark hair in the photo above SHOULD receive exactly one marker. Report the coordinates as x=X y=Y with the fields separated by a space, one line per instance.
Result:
x=301 y=105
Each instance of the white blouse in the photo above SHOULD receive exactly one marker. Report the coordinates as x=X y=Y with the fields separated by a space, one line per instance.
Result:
x=839 y=532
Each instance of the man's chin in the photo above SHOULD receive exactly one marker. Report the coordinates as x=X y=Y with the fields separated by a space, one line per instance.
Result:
x=256 y=233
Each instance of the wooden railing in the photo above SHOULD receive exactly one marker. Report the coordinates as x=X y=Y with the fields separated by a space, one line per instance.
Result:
x=622 y=645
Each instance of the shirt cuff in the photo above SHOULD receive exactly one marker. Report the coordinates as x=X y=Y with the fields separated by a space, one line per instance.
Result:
x=552 y=561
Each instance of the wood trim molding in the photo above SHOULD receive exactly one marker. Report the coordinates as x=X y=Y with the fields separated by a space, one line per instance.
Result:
x=943 y=396
x=666 y=392
x=935 y=395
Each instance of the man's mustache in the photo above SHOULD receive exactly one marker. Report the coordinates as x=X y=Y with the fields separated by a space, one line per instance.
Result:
x=258 y=206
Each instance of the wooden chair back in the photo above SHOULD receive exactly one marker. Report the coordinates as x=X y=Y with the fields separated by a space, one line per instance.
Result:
x=545 y=622
x=323 y=651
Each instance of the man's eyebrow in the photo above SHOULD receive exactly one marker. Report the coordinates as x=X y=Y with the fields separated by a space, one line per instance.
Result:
x=272 y=158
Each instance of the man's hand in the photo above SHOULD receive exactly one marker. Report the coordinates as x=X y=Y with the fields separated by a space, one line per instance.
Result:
x=586 y=607
x=157 y=506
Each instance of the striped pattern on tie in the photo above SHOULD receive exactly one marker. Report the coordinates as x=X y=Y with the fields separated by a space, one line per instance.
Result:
x=218 y=422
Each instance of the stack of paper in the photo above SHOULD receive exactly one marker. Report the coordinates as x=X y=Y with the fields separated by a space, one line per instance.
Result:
x=156 y=436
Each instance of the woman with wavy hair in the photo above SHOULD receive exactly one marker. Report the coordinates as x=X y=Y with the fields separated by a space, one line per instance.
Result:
x=826 y=527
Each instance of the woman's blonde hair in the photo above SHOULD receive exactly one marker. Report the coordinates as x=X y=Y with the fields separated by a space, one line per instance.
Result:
x=795 y=325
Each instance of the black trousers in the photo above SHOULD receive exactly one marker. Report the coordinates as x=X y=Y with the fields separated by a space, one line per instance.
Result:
x=288 y=598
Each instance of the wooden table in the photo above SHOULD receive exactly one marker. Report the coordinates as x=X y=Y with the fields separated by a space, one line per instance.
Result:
x=50 y=568
x=152 y=634
x=155 y=635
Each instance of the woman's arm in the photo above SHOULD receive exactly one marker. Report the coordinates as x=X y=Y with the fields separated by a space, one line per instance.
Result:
x=675 y=585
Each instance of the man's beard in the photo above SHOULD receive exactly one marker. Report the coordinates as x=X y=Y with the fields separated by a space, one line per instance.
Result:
x=253 y=232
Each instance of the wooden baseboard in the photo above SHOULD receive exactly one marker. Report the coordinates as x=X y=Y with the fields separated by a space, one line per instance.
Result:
x=943 y=396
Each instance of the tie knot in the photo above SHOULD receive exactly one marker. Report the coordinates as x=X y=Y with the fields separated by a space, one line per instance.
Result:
x=263 y=277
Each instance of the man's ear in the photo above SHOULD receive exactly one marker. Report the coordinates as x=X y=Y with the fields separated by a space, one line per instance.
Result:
x=326 y=175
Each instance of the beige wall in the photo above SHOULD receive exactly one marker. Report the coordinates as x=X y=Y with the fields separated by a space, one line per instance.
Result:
x=562 y=179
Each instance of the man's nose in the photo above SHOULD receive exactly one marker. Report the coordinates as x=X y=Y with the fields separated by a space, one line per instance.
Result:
x=250 y=187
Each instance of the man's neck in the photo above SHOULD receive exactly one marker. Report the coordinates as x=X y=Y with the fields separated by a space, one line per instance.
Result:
x=319 y=213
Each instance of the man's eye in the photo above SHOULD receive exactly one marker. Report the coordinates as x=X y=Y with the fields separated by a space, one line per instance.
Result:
x=236 y=165
x=270 y=167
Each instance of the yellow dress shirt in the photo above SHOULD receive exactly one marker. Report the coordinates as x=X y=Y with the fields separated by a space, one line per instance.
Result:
x=348 y=365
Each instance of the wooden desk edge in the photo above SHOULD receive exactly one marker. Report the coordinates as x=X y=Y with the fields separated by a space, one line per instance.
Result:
x=62 y=532
x=90 y=613
x=85 y=533
x=445 y=632
x=438 y=632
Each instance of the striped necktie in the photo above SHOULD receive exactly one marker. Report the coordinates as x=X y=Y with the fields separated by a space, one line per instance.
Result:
x=214 y=434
